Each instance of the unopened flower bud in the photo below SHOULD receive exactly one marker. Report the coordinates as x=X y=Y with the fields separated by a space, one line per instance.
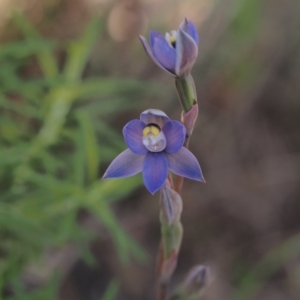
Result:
x=194 y=284
x=171 y=206
x=196 y=280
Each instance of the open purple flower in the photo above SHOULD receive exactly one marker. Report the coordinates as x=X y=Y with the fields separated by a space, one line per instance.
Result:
x=175 y=52
x=155 y=146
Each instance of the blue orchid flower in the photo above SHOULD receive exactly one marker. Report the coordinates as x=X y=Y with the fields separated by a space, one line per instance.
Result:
x=155 y=146
x=175 y=52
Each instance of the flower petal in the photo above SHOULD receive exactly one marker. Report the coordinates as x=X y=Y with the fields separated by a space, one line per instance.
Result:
x=165 y=54
x=175 y=135
x=186 y=52
x=190 y=29
x=184 y=163
x=151 y=55
x=124 y=165
x=154 y=116
x=133 y=135
x=155 y=171
x=155 y=35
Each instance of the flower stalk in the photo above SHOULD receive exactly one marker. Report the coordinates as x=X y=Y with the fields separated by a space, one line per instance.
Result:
x=158 y=145
x=175 y=53
x=185 y=87
x=186 y=91
x=171 y=238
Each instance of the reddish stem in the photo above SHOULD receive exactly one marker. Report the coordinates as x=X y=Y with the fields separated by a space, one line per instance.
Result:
x=161 y=287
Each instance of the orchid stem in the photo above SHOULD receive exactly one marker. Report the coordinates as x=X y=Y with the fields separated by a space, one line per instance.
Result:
x=186 y=91
x=171 y=238
x=172 y=230
x=162 y=291
x=161 y=288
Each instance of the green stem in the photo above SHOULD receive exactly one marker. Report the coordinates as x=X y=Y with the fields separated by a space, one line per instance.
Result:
x=171 y=237
x=188 y=98
x=185 y=87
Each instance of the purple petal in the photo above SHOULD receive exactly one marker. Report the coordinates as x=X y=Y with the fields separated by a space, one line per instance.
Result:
x=186 y=52
x=184 y=163
x=154 y=116
x=125 y=164
x=151 y=55
x=175 y=135
x=165 y=54
x=155 y=35
x=190 y=29
x=133 y=135
x=155 y=171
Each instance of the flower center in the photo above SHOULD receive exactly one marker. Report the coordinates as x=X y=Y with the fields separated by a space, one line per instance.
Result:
x=171 y=38
x=153 y=138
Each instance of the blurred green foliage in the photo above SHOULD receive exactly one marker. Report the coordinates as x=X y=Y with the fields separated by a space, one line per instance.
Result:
x=52 y=144
x=256 y=277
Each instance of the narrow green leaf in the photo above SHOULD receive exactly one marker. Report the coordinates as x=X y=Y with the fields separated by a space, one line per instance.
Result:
x=13 y=155
x=46 y=58
x=23 y=49
x=89 y=143
x=60 y=101
x=79 y=51
x=276 y=258
x=112 y=291
x=26 y=229
x=88 y=256
x=116 y=104
x=46 y=292
x=113 y=87
x=125 y=245
x=22 y=108
x=79 y=159
x=112 y=190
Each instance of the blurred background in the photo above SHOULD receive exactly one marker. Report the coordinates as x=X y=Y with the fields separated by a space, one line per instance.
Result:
x=72 y=73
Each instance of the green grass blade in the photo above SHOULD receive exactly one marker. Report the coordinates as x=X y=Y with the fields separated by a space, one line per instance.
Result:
x=112 y=291
x=125 y=245
x=273 y=260
x=45 y=57
x=79 y=51
x=23 y=49
x=89 y=144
